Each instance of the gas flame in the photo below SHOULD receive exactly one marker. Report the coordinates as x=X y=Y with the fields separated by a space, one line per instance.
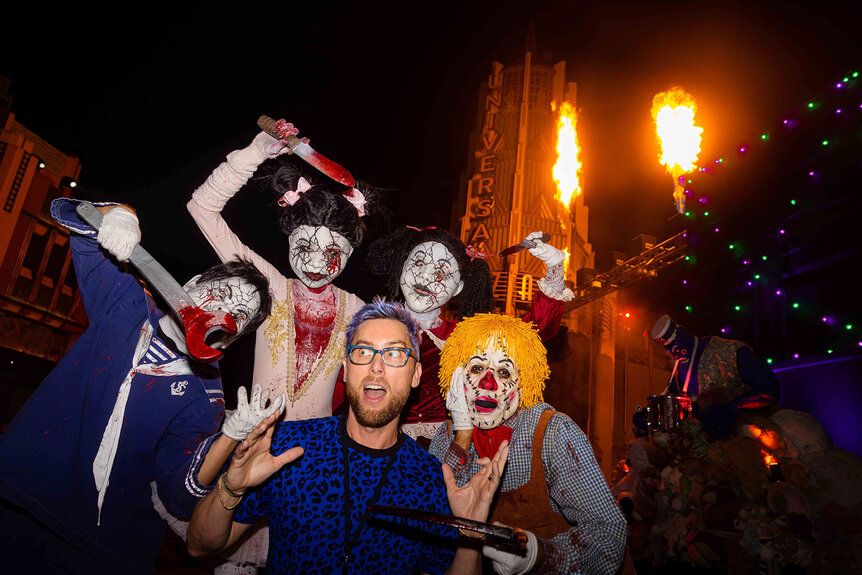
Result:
x=567 y=166
x=673 y=113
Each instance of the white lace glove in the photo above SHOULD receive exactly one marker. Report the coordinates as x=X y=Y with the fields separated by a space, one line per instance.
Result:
x=456 y=402
x=545 y=252
x=119 y=233
x=506 y=563
x=554 y=283
x=247 y=415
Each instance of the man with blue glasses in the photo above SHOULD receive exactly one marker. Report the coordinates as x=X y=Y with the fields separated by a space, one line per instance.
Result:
x=316 y=478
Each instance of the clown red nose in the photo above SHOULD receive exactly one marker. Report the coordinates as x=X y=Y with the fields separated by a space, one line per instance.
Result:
x=488 y=382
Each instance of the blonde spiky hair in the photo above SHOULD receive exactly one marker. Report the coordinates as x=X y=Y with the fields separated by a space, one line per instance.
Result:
x=517 y=338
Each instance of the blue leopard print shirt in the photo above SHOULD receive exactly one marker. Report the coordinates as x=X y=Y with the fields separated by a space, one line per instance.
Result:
x=305 y=504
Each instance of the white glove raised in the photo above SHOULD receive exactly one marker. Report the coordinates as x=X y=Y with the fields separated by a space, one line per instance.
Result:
x=456 y=401
x=247 y=415
x=545 y=252
x=119 y=233
x=506 y=563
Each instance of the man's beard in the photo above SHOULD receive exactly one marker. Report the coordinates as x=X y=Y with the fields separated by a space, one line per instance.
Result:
x=375 y=418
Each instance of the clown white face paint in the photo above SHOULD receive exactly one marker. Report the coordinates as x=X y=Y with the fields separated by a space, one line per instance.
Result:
x=317 y=254
x=430 y=277
x=491 y=387
x=233 y=295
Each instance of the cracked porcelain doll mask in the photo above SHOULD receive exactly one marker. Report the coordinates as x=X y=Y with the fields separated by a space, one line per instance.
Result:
x=430 y=277
x=491 y=383
x=317 y=254
x=233 y=295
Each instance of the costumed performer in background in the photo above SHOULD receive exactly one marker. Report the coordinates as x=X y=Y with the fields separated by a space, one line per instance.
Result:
x=124 y=408
x=426 y=268
x=723 y=376
x=494 y=368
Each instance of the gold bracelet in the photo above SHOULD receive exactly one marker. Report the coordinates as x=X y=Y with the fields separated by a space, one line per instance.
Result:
x=471 y=534
x=230 y=491
x=222 y=486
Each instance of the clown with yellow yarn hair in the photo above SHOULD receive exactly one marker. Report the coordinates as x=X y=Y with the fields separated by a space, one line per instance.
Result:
x=492 y=371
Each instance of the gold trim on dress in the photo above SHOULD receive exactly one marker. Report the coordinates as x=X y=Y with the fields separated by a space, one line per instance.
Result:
x=285 y=339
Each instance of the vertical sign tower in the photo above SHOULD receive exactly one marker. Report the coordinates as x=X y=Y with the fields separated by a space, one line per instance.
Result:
x=508 y=189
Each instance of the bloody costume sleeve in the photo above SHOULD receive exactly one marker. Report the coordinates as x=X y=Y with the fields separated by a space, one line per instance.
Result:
x=547 y=313
x=102 y=283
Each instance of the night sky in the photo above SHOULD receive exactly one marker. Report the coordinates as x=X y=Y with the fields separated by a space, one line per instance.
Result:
x=152 y=100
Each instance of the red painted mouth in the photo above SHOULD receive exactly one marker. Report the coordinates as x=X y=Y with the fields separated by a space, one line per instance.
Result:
x=421 y=290
x=485 y=404
x=315 y=277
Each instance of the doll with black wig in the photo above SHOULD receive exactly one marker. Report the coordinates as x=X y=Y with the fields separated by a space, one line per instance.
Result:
x=298 y=349
x=425 y=269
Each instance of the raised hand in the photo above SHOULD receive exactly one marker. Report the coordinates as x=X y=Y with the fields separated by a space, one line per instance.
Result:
x=247 y=415
x=271 y=146
x=545 y=252
x=456 y=402
x=119 y=233
x=473 y=500
x=252 y=461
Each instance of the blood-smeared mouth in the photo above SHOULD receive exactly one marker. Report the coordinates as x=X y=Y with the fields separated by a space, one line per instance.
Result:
x=314 y=276
x=485 y=404
x=374 y=392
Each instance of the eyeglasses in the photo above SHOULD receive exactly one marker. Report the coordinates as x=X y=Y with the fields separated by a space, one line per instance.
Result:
x=392 y=356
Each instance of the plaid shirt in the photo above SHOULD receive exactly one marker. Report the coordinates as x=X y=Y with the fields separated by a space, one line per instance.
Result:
x=576 y=489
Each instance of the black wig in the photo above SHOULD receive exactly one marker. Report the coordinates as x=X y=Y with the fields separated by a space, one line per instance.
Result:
x=386 y=257
x=323 y=204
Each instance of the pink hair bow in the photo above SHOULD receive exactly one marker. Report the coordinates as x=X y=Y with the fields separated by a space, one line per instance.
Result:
x=356 y=198
x=421 y=229
x=290 y=197
x=474 y=253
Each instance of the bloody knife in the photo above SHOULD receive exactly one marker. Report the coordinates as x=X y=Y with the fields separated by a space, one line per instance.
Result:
x=300 y=147
x=523 y=245
x=197 y=323
x=499 y=536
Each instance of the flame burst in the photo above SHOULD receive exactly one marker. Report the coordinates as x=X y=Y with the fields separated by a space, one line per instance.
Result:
x=567 y=166
x=673 y=113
